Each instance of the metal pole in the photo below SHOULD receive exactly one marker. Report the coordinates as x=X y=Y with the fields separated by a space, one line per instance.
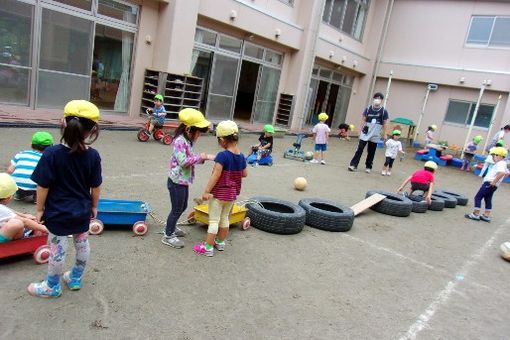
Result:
x=387 y=95
x=475 y=113
x=416 y=133
x=491 y=124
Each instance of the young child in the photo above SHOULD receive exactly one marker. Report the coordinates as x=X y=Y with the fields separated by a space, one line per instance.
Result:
x=469 y=153
x=321 y=135
x=182 y=170
x=23 y=164
x=158 y=113
x=13 y=223
x=265 y=146
x=223 y=187
x=429 y=135
x=422 y=180
x=393 y=147
x=68 y=179
x=490 y=184
x=343 y=131
x=489 y=161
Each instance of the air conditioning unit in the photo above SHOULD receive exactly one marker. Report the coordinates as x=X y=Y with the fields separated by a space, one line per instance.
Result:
x=432 y=87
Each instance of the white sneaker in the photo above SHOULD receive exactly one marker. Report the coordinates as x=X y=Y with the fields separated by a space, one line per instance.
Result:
x=323 y=162
x=383 y=173
x=388 y=173
x=368 y=170
x=314 y=161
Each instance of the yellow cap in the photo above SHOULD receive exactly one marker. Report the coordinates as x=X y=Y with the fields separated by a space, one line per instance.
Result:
x=226 y=128
x=499 y=151
x=7 y=185
x=351 y=126
x=192 y=117
x=434 y=127
x=81 y=109
x=323 y=116
x=430 y=165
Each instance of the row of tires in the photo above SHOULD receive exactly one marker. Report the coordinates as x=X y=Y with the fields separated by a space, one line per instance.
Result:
x=401 y=206
x=282 y=217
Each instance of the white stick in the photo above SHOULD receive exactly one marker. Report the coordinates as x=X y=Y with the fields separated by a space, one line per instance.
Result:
x=482 y=89
x=388 y=90
x=416 y=132
x=494 y=114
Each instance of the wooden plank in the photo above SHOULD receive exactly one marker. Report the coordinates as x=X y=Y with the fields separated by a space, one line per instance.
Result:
x=367 y=203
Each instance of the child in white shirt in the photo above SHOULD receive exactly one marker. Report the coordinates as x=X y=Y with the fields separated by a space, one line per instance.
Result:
x=393 y=147
x=321 y=136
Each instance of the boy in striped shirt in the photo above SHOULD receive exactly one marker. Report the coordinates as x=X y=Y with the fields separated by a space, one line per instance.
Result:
x=23 y=164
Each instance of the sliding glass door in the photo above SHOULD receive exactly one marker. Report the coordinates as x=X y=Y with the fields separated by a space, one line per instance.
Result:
x=267 y=92
x=221 y=90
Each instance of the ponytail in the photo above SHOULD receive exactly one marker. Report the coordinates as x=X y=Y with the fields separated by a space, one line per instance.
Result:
x=75 y=130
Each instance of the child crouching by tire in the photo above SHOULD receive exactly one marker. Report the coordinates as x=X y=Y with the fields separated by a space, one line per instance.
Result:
x=422 y=180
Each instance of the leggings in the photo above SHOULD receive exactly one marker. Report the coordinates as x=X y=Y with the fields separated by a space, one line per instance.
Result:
x=486 y=191
x=389 y=162
x=58 y=249
x=179 y=198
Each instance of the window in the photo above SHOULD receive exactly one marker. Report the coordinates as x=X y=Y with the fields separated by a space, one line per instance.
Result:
x=288 y=2
x=118 y=10
x=493 y=31
x=205 y=37
x=346 y=15
x=460 y=112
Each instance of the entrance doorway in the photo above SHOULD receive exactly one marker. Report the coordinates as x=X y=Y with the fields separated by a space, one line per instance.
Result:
x=330 y=107
x=246 y=90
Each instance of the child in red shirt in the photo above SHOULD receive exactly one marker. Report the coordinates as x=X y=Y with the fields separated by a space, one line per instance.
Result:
x=422 y=180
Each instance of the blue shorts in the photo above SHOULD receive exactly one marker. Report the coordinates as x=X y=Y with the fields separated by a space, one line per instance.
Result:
x=321 y=147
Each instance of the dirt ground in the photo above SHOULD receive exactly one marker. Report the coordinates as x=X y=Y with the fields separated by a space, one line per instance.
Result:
x=427 y=276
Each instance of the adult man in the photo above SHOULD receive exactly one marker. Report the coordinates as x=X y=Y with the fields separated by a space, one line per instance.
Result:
x=374 y=121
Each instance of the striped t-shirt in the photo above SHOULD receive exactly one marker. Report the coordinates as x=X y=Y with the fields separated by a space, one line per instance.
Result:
x=25 y=163
x=229 y=184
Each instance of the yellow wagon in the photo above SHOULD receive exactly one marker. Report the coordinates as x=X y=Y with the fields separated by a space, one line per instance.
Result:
x=237 y=215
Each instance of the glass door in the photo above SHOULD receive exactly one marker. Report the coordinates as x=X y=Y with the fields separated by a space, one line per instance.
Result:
x=222 y=86
x=266 y=95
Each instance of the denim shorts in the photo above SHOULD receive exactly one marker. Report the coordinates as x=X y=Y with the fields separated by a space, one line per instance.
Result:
x=321 y=147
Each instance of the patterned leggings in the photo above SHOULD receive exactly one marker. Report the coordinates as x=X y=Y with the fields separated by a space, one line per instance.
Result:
x=58 y=249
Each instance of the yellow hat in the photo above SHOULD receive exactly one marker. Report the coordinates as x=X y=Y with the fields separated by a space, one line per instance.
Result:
x=7 y=185
x=226 y=128
x=499 y=151
x=192 y=117
x=351 y=126
x=434 y=127
x=81 y=109
x=430 y=165
x=323 y=116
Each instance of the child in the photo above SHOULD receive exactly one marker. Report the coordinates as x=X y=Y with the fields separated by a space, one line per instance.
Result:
x=23 y=164
x=422 y=180
x=182 y=170
x=429 y=135
x=498 y=136
x=489 y=161
x=265 y=146
x=321 y=134
x=224 y=186
x=68 y=179
x=393 y=147
x=343 y=131
x=490 y=184
x=12 y=223
x=158 y=113
x=469 y=153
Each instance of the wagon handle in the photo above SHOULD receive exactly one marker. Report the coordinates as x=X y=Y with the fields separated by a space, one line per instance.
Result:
x=147 y=207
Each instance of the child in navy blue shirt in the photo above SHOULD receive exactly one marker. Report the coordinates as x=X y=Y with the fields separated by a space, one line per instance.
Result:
x=158 y=113
x=68 y=178
x=224 y=186
x=469 y=153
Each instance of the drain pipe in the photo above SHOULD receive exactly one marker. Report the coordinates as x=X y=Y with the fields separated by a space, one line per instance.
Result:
x=380 y=50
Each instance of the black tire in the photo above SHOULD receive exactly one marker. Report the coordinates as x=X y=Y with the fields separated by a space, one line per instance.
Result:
x=449 y=201
x=393 y=204
x=436 y=204
x=327 y=215
x=461 y=199
x=276 y=216
x=419 y=204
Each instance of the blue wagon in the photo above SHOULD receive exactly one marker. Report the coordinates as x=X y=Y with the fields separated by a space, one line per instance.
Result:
x=121 y=212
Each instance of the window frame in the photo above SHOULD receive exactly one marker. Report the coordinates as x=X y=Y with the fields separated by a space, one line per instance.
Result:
x=356 y=20
x=488 y=43
x=467 y=119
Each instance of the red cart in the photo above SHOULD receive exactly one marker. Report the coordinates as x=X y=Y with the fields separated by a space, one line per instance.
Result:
x=36 y=245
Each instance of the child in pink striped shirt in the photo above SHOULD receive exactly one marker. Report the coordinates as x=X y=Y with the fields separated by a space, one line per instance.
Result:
x=223 y=188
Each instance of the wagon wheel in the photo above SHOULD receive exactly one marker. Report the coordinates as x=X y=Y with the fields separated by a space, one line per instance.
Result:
x=143 y=135
x=96 y=227
x=158 y=134
x=191 y=218
x=42 y=254
x=140 y=228
x=246 y=224
x=167 y=140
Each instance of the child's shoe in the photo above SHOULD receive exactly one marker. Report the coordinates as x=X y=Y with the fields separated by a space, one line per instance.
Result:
x=219 y=245
x=73 y=283
x=472 y=217
x=351 y=168
x=485 y=218
x=41 y=289
x=201 y=249
x=179 y=232
x=388 y=173
x=383 y=173
x=172 y=241
x=323 y=162
x=314 y=161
